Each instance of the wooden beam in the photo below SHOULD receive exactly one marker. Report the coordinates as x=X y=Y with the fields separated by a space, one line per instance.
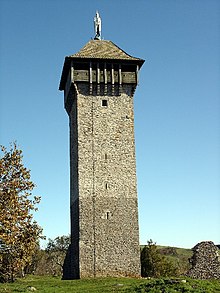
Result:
x=72 y=72
x=90 y=72
x=112 y=73
x=137 y=74
x=105 y=74
x=120 y=76
x=98 y=73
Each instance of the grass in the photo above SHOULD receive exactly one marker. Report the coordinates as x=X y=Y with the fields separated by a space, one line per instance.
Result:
x=56 y=285
x=165 y=285
x=113 y=285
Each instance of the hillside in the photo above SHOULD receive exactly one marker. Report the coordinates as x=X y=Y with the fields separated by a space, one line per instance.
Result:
x=179 y=256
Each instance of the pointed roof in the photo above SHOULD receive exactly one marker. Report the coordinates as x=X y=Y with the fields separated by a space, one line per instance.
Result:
x=100 y=49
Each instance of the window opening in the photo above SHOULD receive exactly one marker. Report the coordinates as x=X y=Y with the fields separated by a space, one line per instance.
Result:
x=107 y=215
x=106 y=185
x=104 y=103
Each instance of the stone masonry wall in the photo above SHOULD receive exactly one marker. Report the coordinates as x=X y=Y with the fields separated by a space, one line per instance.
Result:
x=104 y=182
x=205 y=261
x=71 y=263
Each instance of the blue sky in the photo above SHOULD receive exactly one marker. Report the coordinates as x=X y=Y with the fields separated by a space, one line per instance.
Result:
x=177 y=106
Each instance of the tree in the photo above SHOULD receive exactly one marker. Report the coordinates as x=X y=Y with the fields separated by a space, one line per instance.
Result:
x=56 y=250
x=154 y=264
x=19 y=233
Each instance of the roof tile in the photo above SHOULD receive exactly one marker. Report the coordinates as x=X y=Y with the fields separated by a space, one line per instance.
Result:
x=100 y=49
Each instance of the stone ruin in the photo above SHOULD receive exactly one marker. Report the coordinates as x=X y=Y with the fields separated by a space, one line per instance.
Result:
x=205 y=261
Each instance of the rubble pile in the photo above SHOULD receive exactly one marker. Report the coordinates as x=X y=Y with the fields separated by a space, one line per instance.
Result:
x=205 y=261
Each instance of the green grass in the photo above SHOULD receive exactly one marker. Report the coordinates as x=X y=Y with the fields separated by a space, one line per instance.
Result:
x=55 y=285
x=165 y=285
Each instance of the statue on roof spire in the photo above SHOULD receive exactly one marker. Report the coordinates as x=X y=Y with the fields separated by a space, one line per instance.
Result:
x=97 y=26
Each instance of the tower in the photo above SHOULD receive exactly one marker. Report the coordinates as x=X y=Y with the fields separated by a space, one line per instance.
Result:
x=99 y=83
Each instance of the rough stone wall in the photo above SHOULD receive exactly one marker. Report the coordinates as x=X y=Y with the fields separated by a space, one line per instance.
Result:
x=103 y=179
x=205 y=261
x=71 y=263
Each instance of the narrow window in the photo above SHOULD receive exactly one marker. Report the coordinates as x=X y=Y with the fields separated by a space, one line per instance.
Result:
x=107 y=215
x=106 y=157
x=106 y=185
x=104 y=103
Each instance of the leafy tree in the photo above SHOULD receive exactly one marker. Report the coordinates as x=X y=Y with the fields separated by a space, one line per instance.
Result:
x=49 y=261
x=56 y=250
x=19 y=233
x=154 y=264
x=37 y=258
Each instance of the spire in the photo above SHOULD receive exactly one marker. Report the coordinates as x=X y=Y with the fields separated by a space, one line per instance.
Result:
x=97 y=26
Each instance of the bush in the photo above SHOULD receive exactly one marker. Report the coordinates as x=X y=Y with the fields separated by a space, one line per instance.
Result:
x=154 y=264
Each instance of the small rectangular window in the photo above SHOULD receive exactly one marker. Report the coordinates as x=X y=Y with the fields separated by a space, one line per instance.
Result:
x=104 y=103
x=106 y=185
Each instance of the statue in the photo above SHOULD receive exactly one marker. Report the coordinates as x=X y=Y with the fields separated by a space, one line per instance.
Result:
x=97 y=26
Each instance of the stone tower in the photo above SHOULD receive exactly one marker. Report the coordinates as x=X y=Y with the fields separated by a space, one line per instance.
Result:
x=99 y=83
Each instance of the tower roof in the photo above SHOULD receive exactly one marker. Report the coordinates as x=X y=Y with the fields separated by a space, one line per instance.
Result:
x=98 y=50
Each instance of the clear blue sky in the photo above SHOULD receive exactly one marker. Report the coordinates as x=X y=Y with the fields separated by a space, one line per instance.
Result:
x=177 y=106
